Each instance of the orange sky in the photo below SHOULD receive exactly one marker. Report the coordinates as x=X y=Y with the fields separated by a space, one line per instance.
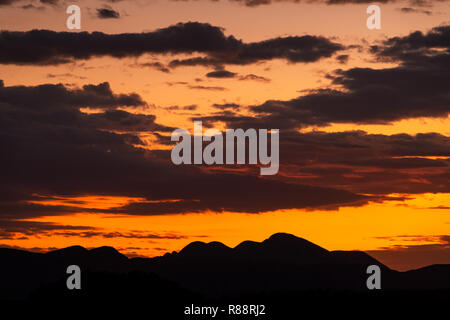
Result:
x=365 y=227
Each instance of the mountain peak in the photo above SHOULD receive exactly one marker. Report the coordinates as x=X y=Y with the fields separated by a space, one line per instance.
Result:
x=104 y=250
x=72 y=251
x=282 y=236
x=202 y=249
x=289 y=240
x=106 y=253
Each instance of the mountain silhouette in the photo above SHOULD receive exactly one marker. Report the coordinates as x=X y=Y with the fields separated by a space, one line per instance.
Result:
x=283 y=247
x=102 y=258
x=281 y=263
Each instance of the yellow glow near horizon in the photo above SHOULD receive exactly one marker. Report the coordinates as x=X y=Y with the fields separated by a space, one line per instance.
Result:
x=349 y=228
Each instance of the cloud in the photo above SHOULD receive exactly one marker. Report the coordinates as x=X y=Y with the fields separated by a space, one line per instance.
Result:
x=49 y=96
x=225 y=106
x=196 y=61
x=254 y=77
x=13 y=229
x=32 y=7
x=221 y=74
x=33 y=249
x=107 y=13
x=413 y=256
x=155 y=65
x=335 y=2
x=55 y=149
x=257 y=3
x=368 y=163
x=418 y=49
x=115 y=234
x=343 y=58
x=364 y=163
x=418 y=87
x=65 y=75
x=366 y=96
x=7 y=2
x=191 y=107
x=414 y=10
x=224 y=74
x=210 y=88
x=52 y=48
x=210 y=196
x=51 y=2
x=30 y=4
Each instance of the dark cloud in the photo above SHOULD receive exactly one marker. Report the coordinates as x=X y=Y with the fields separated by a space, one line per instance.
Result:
x=51 y=48
x=29 y=5
x=221 y=74
x=368 y=96
x=17 y=229
x=64 y=75
x=143 y=235
x=51 y=2
x=224 y=106
x=368 y=163
x=254 y=77
x=177 y=83
x=418 y=49
x=51 y=97
x=155 y=65
x=33 y=7
x=33 y=249
x=55 y=149
x=422 y=3
x=364 y=163
x=293 y=49
x=418 y=87
x=191 y=107
x=7 y=2
x=14 y=229
x=331 y=2
x=127 y=235
x=107 y=13
x=196 y=61
x=224 y=74
x=210 y=88
x=256 y=3
x=343 y=58
x=240 y=198
x=414 y=10
x=22 y=208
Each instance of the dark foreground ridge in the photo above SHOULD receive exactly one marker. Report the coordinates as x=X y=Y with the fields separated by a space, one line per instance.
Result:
x=275 y=271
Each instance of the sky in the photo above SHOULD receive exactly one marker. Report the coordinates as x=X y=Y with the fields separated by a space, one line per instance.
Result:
x=87 y=115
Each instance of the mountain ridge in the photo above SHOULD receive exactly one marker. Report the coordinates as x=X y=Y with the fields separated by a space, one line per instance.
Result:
x=283 y=262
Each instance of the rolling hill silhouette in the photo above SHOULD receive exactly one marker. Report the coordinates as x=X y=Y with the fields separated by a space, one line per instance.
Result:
x=281 y=263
